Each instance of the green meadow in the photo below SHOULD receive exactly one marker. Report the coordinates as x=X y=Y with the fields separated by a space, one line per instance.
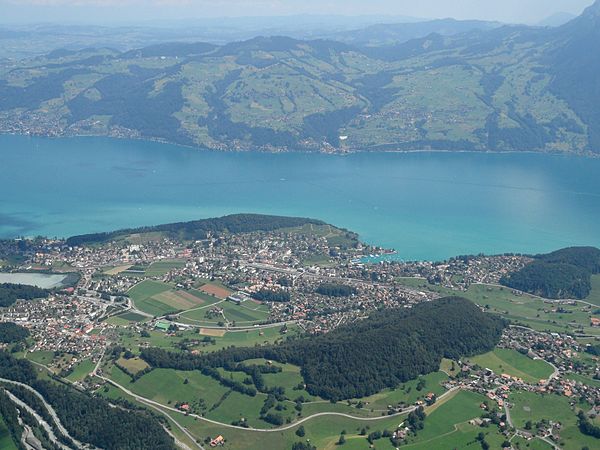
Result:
x=511 y=362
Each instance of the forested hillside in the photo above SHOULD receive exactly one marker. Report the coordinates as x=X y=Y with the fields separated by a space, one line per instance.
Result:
x=388 y=348
x=489 y=88
x=561 y=274
x=199 y=229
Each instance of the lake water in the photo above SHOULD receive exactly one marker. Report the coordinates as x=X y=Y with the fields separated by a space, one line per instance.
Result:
x=424 y=205
x=41 y=280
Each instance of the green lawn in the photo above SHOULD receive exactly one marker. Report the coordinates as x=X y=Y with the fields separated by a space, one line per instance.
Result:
x=582 y=379
x=535 y=407
x=509 y=361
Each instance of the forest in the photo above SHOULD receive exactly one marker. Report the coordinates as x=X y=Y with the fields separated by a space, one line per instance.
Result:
x=386 y=349
x=562 y=274
x=91 y=419
x=199 y=229
x=335 y=290
x=10 y=293
x=11 y=332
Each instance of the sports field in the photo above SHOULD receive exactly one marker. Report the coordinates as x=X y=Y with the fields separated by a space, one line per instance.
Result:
x=513 y=363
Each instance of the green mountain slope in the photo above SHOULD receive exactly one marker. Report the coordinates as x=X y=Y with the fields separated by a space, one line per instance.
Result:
x=505 y=89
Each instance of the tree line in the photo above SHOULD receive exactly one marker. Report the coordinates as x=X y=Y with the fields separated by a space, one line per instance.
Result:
x=10 y=293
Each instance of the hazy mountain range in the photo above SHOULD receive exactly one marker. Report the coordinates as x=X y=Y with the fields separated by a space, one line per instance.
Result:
x=434 y=85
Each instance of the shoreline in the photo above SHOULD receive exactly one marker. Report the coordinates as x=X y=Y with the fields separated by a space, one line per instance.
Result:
x=340 y=153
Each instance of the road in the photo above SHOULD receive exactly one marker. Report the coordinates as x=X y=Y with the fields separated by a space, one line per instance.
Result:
x=273 y=430
x=50 y=410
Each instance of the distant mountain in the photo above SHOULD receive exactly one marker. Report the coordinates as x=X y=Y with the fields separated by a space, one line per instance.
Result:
x=390 y=34
x=556 y=20
x=500 y=88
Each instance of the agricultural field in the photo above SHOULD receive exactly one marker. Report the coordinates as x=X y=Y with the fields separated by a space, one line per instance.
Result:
x=528 y=406
x=527 y=310
x=247 y=313
x=216 y=290
x=158 y=298
x=511 y=362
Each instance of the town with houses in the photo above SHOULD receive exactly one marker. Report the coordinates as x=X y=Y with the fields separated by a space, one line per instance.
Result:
x=234 y=269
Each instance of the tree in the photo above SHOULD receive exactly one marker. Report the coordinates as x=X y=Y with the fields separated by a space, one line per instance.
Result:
x=300 y=432
x=341 y=440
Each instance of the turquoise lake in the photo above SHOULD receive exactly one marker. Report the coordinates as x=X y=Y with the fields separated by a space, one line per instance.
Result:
x=427 y=206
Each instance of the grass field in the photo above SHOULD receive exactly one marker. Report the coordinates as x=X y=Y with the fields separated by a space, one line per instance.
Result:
x=245 y=314
x=81 y=370
x=535 y=407
x=594 y=296
x=132 y=317
x=508 y=361
x=6 y=441
x=523 y=309
x=116 y=270
x=158 y=298
x=449 y=367
x=160 y=268
x=582 y=379
x=133 y=365
x=408 y=393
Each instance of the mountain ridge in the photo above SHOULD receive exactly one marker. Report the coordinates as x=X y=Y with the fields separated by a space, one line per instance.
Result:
x=509 y=88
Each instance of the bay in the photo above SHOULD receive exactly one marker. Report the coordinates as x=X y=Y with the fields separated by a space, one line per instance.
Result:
x=426 y=205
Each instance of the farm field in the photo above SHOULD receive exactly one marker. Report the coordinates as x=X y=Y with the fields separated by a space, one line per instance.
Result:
x=246 y=314
x=158 y=298
x=541 y=315
x=535 y=407
x=508 y=361
x=216 y=290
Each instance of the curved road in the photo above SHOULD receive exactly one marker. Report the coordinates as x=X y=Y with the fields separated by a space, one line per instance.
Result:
x=272 y=430
x=50 y=410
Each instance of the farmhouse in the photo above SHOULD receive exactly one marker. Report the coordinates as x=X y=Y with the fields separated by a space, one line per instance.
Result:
x=219 y=440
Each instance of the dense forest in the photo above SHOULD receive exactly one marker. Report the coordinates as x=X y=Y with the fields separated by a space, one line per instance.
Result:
x=335 y=290
x=10 y=293
x=91 y=419
x=199 y=229
x=561 y=274
x=388 y=348
x=267 y=295
x=11 y=332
